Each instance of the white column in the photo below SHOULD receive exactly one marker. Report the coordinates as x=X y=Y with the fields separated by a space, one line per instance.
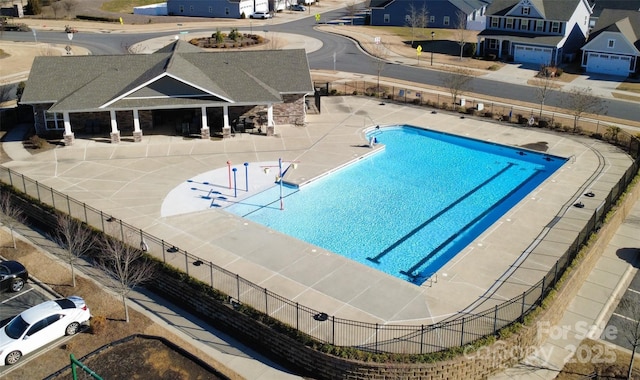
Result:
x=205 y=123
x=270 y=115
x=499 y=48
x=136 y=120
x=478 y=47
x=67 y=123
x=225 y=112
x=114 y=123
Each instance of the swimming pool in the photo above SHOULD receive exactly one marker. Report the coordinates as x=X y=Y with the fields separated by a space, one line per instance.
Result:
x=409 y=209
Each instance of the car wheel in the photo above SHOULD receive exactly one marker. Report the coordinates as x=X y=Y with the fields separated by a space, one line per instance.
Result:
x=17 y=284
x=13 y=357
x=72 y=328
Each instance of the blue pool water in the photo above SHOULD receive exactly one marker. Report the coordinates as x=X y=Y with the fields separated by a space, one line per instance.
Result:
x=409 y=209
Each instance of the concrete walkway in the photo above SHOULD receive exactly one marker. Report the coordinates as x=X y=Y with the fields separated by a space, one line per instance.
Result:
x=588 y=313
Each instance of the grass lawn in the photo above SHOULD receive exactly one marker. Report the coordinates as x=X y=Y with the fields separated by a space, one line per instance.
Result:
x=125 y=6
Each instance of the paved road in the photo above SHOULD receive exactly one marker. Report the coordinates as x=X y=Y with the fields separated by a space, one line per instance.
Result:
x=348 y=58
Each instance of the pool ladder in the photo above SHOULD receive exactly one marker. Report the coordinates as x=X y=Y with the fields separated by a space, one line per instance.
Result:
x=431 y=279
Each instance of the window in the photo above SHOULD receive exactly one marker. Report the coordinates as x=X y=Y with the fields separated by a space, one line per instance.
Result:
x=524 y=24
x=539 y=26
x=387 y=18
x=432 y=19
x=555 y=27
x=495 y=22
x=509 y=23
x=611 y=44
x=526 y=10
x=445 y=21
x=493 y=44
x=54 y=120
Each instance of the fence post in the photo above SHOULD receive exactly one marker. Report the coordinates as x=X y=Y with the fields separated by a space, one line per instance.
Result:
x=164 y=257
x=121 y=230
x=24 y=184
x=38 y=191
x=53 y=199
x=495 y=319
x=542 y=289
x=238 y=287
x=186 y=262
x=10 y=178
x=522 y=309
x=102 y=220
x=555 y=274
x=69 y=205
x=333 y=329
x=297 y=316
x=421 y=339
x=211 y=272
x=266 y=302
x=462 y=332
x=86 y=218
x=376 y=343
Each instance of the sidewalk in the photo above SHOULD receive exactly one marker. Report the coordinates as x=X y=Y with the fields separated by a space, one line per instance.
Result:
x=590 y=309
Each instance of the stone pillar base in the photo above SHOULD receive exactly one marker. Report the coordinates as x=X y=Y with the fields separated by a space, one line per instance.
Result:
x=115 y=137
x=271 y=130
x=137 y=136
x=226 y=132
x=69 y=138
x=205 y=133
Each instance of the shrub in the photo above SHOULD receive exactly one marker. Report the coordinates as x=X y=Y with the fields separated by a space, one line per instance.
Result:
x=243 y=15
x=98 y=324
x=333 y=92
x=38 y=142
x=354 y=92
x=597 y=136
x=488 y=114
x=494 y=67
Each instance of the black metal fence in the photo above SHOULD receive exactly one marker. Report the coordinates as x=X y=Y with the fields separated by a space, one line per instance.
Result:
x=413 y=339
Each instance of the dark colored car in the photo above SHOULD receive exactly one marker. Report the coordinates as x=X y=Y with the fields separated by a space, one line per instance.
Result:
x=13 y=276
x=298 y=8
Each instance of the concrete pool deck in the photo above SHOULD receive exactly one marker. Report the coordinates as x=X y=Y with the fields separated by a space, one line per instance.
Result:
x=131 y=181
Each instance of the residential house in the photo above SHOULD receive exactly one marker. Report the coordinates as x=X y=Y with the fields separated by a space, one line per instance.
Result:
x=440 y=13
x=614 y=43
x=179 y=89
x=541 y=32
x=600 y=5
x=216 y=8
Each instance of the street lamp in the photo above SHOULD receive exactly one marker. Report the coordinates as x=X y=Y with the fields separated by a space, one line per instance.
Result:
x=433 y=34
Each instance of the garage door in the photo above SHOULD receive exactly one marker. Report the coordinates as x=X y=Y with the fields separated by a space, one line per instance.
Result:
x=530 y=54
x=608 y=64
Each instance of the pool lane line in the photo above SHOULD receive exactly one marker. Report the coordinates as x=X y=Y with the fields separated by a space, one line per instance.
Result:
x=393 y=246
x=410 y=273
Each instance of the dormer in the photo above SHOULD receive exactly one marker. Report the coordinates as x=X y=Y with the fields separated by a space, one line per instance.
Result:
x=527 y=9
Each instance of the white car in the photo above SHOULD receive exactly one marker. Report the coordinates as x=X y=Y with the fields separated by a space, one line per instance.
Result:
x=41 y=325
x=262 y=15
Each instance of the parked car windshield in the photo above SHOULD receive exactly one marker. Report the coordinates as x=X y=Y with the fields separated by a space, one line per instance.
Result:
x=16 y=327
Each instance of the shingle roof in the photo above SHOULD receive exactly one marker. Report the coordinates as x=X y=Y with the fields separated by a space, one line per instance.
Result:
x=560 y=10
x=81 y=83
x=617 y=20
x=600 y=5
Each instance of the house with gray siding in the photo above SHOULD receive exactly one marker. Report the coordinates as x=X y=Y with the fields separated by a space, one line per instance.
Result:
x=179 y=89
x=542 y=32
x=614 y=43
x=440 y=13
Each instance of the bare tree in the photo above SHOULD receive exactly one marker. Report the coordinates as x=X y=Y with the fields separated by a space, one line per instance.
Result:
x=55 y=7
x=580 y=101
x=379 y=61
x=630 y=327
x=351 y=9
x=457 y=82
x=461 y=30
x=417 y=19
x=75 y=239
x=69 y=6
x=6 y=92
x=544 y=84
x=10 y=215
x=127 y=267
